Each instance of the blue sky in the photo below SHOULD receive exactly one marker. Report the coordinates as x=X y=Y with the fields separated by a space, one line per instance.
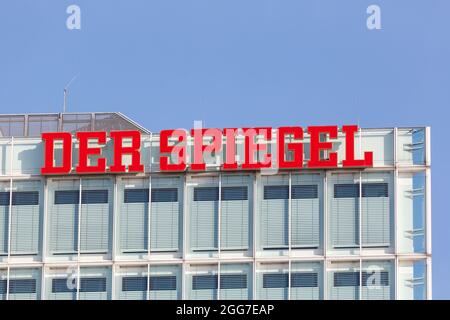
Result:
x=240 y=63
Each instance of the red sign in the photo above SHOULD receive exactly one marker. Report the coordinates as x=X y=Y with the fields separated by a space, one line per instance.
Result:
x=173 y=144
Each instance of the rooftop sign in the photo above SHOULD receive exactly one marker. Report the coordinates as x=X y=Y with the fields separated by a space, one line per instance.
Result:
x=206 y=143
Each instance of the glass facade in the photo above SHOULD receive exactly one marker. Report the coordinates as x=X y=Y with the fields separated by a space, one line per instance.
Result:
x=325 y=234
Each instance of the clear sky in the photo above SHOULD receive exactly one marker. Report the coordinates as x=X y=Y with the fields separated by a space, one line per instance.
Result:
x=241 y=63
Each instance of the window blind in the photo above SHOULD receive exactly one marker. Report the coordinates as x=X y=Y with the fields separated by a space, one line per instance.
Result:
x=203 y=218
x=234 y=218
x=305 y=215
x=165 y=219
x=274 y=217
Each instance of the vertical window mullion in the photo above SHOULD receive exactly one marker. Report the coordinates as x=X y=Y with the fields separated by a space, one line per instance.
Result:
x=78 y=238
x=289 y=234
x=219 y=234
x=360 y=231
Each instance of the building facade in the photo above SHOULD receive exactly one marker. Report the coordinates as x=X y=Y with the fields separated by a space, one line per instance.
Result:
x=292 y=234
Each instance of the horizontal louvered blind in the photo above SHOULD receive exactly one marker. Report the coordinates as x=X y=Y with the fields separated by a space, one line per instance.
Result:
x=203 y=218
x=275 y=280
x=274 y=217
x=165 y=283
x=234 y=218
x=376 y=215
x=25 y=222
x=60 y=286
x=134 y=221
x=4 y=223
x=273 y=286
x=134 y=284
x=204 y=287
x=344 y=213
x=24 y=284
x=63 y=216
x=165 y=219
x=304 y=280
x=305 y=215
x=95 y=221
x=345 y=285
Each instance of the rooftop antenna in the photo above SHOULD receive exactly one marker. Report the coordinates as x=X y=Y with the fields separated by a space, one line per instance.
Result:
x=65 y=92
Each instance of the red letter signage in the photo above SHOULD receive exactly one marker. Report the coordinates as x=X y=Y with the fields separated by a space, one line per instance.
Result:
x=84 y=151
x=200 y=148
x=49 y=140
x=295 y=147
x=251 y=147
x=179 y=150
x=317 y=146
x=350 y=150
x=120 y=150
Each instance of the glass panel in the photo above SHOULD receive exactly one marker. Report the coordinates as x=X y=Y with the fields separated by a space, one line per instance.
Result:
x=411 y=146
x=38 y=124
x=380 y=142
x=412 y=284
x=306 y=208
x=202 y=282
x=165 y=282
x=63 y=211
x=411 y=212
x=306 y=281
x=76 y=122
x=236 y=212
x=378 y=280
x=377 y=213
x=24 y=284
x=131 y=283
x=343 y=206
x=95 y=283
x=26 y=217
x=4 y=218
x=166 y=213
x=343 y=281
x=12 y=126
x=28 y=156
x=204 y=209
x=272 y=281
x=96 y=215
x=273 y=212
x=235 y=280
x=61 y=283
x=133 y=199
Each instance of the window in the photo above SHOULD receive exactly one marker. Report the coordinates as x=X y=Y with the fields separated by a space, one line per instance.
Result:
x=60 y=286
x=95 y=283
x=375 y=215
x=92 y=284
x=95 y=207
x=134 y=218
x=24 y=284
x=165 y=216
x=275 y=280
x=305 y=212
x=274 y=217
x=204 y=211
x=25 y=222
x=204 y=282
x=305 y=208
x=162 y=283
x=134 y=284
x=235 y=213
x=96 y=215
x=304 y=280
